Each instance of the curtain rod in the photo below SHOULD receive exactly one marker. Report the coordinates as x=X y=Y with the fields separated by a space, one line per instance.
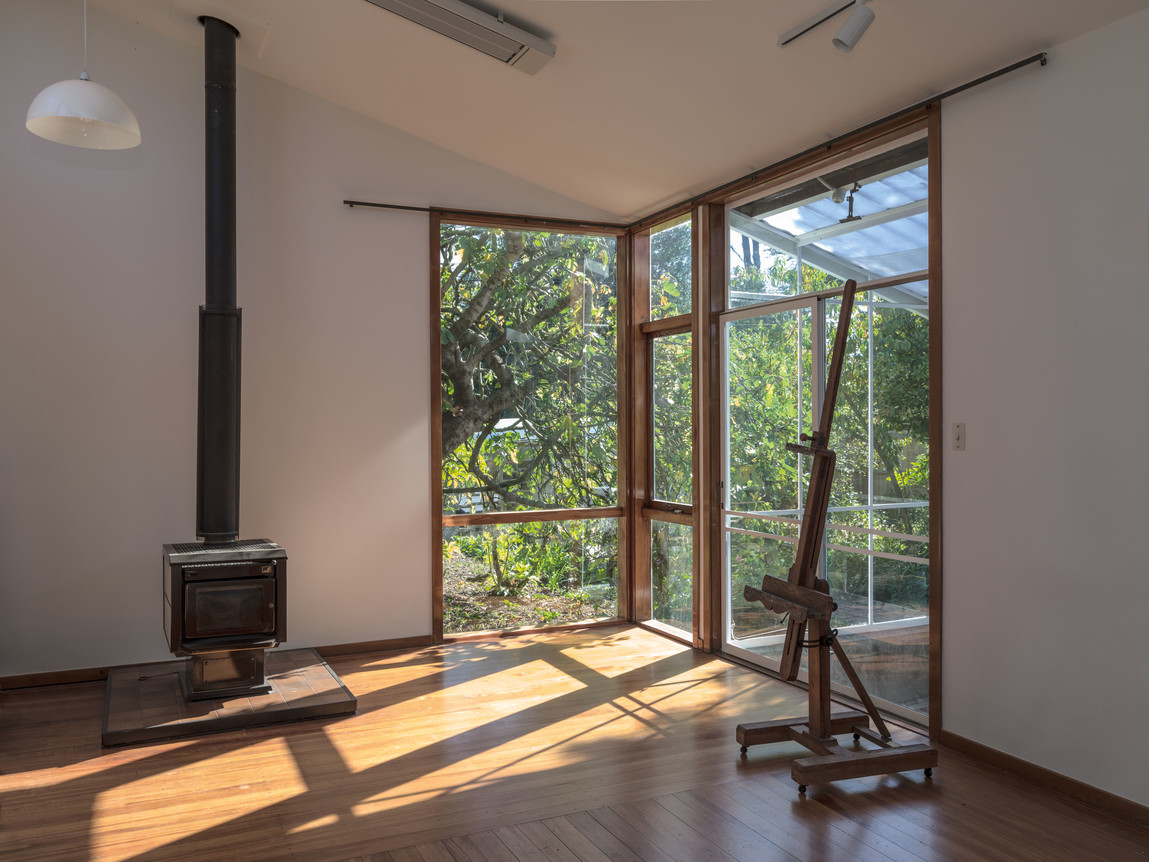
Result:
x=695 y=200
x=354 y=204
x=1041 y=58
x=496 y=216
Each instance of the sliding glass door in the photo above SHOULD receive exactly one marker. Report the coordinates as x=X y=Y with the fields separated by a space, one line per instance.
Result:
x=791 y=251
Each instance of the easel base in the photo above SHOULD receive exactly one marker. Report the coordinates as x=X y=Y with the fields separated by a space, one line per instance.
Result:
x=830 y=763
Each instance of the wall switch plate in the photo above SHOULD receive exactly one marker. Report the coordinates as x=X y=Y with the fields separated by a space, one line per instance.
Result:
x=959 y=436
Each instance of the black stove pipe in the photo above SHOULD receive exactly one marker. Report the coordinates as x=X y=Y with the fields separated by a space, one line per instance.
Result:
x=217 y=442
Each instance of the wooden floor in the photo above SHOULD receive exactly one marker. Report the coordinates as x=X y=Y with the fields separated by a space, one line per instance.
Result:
x=605 y=744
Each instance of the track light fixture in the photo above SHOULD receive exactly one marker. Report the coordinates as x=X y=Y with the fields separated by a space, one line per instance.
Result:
x=848 y=35
x=855 y=26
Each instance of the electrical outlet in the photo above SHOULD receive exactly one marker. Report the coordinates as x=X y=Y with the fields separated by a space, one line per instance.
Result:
x=959 y=436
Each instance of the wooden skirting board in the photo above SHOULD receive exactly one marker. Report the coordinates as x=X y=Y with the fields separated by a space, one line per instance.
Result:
x=1079 y=791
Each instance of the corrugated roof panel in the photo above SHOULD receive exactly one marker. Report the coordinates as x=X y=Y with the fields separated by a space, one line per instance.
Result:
x=883 y=249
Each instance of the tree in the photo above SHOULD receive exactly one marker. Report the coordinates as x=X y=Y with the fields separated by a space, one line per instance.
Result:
x=671 y=270
x=528 y=351
x=768 y=357
x=529 y=368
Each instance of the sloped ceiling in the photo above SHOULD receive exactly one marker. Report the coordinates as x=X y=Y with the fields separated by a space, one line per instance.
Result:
x=646 y=101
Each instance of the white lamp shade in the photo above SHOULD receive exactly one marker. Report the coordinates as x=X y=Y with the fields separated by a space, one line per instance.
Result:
x=855 y=26
x=83 y=113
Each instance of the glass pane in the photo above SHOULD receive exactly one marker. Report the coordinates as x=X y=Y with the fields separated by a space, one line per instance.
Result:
x=760 y=272
x=671 y=268
x=893 y=664
x=878 y=554
x=538 y=574
x=672 y=574
x=769 y=374
x=768 y=393
x=756 y=547
x=529 y=370
x=863 y=221
x=673 y=429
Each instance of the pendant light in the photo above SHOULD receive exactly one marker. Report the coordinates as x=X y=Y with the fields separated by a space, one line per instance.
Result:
x=81 y=113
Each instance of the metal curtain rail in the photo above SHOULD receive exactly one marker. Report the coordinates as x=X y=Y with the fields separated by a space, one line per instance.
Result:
x=495 y=216
x=709 y=196
x=1041 y=58
x=354 y=204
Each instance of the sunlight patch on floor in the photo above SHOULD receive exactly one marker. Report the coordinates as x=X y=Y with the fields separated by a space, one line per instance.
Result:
x=520 y=749
x=603 y=656
x=213 y=789
x=318 y=823
x=473 y=708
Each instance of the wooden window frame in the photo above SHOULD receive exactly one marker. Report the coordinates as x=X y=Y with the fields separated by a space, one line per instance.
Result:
x=713 y=205
x=620 y=511
x=636 y=331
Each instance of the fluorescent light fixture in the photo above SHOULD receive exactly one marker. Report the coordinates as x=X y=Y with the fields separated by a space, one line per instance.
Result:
x=851 y=31
x=476 y=29
x=81 y=113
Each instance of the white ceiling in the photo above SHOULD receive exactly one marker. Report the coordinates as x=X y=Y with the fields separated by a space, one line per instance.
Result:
x=646 y=101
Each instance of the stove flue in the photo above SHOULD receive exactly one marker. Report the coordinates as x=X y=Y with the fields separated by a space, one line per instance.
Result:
x=225 y=599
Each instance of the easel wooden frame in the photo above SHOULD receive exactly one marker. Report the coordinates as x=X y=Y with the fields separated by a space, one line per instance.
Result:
x=806 y=599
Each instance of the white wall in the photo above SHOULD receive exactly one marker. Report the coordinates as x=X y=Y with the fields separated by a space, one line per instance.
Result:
x=1046 y=337
x=101 y=273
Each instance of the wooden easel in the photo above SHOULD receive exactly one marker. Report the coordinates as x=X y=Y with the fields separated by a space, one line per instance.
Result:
x=806 y=598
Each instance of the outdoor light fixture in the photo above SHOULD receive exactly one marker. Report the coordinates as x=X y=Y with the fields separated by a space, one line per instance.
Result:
x=82 y=113
x=837 y=195
x=476 y=29
x=850 y=215
x=851 y=31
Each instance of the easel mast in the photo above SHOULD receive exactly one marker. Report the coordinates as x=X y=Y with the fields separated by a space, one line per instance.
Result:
x=806 y=598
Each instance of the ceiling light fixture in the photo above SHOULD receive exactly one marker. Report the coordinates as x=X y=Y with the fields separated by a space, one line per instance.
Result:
x=476 y=29
x=81 y=113
x=851 y=31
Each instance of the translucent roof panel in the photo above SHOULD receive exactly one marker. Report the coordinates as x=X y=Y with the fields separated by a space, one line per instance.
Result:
x=873 y=197
x=885 y=249
x=868 y=220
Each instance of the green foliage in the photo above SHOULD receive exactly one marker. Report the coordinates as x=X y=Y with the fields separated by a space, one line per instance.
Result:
x=769 y=376
x=528 y=344
x=671 y=574
x=673 y=419
x=671 y=276
x=529 y=378
x=545 y=557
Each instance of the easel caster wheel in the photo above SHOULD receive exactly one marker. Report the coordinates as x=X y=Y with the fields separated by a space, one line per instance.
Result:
x=857 y=736
x=929 y=772
x=802 y=788
x=744 y=749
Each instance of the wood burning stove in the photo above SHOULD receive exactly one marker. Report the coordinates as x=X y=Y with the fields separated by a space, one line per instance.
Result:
x=224 y=605
x=224 y=600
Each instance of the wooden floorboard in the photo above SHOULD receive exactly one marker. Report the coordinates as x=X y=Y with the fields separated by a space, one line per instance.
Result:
x=605 y=744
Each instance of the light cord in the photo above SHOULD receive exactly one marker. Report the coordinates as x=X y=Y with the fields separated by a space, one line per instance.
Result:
x=84 y=72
